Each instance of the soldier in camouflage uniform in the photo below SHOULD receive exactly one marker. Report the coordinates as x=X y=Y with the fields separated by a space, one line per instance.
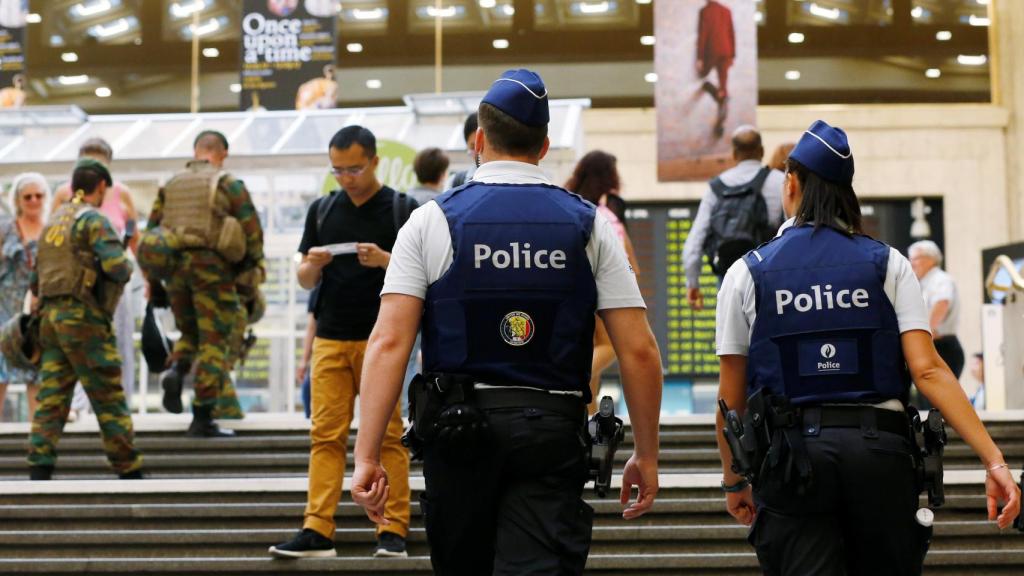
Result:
x=80 y=275
x=210 y=221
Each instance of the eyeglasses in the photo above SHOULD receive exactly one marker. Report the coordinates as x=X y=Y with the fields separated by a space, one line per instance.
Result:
x=350 y=171
x=32 y=197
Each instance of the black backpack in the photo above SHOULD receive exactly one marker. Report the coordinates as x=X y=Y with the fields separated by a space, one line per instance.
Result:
x=739 y=222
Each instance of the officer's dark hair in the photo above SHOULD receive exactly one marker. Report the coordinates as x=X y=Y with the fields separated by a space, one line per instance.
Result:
x=96 y=147
x=430 y=165
x=87 y=179
x=824 y=202
x=469 y=128
x=746 y=144
x=594 y=176
x=211 y=140
x=508 y=135
x=349 y=135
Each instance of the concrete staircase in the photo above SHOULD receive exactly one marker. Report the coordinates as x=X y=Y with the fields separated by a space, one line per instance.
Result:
x=244 y=499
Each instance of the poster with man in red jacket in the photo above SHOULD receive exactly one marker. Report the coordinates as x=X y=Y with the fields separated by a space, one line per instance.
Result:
x=706 y=62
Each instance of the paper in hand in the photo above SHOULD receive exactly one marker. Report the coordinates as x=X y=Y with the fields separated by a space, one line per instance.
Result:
x=342 y=248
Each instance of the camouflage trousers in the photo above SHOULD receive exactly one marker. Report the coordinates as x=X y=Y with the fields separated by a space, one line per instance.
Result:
x=205 y=306
x=227 y=406
x=79 y=346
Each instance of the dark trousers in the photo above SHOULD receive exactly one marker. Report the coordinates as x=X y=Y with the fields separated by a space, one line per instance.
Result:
x=516 y=508
x=857 y=518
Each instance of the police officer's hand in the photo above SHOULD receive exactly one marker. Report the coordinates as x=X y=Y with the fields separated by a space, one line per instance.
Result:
x=741 y=505
x=1000 y=488
x=696 y=298
x=372 y=256
x=644 y=475
x=370 y=490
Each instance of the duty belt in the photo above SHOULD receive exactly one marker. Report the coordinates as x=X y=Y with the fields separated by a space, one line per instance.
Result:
x=567 y=405
x=869 y=419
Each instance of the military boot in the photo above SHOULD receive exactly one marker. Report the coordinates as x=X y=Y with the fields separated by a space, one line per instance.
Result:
x=40 y=472
x=203 y=425
x=172 y=380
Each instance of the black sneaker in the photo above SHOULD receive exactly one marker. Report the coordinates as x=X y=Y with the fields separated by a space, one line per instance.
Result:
x=133 y=475
x=390 y=545
x=171 y=381
x=306 y=544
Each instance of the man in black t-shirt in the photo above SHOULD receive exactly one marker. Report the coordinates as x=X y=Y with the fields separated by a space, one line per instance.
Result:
x=346 y=248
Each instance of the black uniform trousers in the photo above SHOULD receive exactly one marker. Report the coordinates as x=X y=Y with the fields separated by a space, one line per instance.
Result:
x=515 y=508
x=856 y=519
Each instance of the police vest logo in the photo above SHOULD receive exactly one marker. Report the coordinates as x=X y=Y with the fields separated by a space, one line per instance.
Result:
x=517 y=328
x=828 y=351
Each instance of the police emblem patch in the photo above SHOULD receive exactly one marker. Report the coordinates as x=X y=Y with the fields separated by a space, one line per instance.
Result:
x=516 y=328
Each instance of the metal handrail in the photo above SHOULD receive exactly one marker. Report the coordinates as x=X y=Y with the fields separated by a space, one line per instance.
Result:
x=1003 y=262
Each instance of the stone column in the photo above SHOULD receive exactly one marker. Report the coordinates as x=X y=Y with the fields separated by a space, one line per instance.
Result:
x=1006 y=47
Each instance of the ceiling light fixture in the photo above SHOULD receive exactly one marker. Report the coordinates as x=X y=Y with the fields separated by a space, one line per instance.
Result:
x=643 y=1
x=211 y=52
x=978 y=20
x=943 y=35
x=822 y=12
x=500 y=43
x=917 y=12
x=208 y=27
x=651 y=77
x=354 y=47
x=235 y=87
x=595 y=8
x=186 y=9
x=448 y=12
x=115 y=28
x=792 y=74
x=488 y=3
x=796 y=38
x=374 y=84
x=971 y=60
x=372 y=14
x=33 y=18
x=69 y=57
x=933 y=73
x=92 y=9
x=103 y=92
x=509 y=10
x=647 y=40
x=73 y=80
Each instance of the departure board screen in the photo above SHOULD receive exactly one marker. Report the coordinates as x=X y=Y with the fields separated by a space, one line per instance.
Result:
x=686 y=336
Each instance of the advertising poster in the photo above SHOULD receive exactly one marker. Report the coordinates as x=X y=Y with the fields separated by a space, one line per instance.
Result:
x=394 y=170
x=706 y=61
x=12 y=52
x=288 y=52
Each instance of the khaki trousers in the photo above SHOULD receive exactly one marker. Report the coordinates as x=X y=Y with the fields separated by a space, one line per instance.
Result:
x=337 y=365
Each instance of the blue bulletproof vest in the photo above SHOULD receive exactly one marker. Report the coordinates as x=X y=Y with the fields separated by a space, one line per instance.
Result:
x=825 y=331
x=517 y=306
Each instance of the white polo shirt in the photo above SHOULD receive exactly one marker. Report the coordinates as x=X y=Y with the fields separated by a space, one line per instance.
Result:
x=736 y=313
x=937 y=285
x=423 y=251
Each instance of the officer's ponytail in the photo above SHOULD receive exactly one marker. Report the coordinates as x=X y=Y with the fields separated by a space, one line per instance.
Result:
x=825 y=203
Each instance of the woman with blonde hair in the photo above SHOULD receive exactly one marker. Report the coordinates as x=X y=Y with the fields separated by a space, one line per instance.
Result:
x=28 y=198
x=596 y=179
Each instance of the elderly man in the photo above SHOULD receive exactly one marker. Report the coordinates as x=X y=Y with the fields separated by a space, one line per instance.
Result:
x=941 y=299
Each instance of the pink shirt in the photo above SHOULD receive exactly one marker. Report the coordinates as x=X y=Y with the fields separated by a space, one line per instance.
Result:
x=617 y=225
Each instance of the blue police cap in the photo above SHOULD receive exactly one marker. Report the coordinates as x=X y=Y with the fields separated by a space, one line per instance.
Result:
x=825 y=151
x=520 y=94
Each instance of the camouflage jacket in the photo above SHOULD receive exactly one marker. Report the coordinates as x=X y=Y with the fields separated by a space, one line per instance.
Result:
x=93 y=232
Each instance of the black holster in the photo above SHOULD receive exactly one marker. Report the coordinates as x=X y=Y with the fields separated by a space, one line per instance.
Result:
x=767 y=440
x=442 y=411
x=929 y=438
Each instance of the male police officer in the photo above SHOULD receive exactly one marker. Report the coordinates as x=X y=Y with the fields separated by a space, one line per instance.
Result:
x=80 y=275
x=507 y=272
x=214 y=226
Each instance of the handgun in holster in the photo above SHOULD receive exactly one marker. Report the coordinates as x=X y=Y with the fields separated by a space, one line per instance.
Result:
x=605 y=432
x=747 y=436
x=932 y=432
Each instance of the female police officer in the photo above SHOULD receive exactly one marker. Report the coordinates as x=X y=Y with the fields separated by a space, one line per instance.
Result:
x=828 y=319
